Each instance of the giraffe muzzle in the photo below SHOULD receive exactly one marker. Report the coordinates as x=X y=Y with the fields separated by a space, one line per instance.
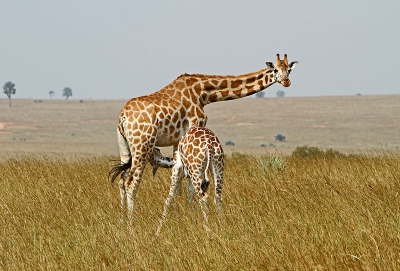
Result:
x=285 y=83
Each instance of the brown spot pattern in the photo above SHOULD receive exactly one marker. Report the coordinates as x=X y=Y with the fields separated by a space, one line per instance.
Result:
x=236 y=83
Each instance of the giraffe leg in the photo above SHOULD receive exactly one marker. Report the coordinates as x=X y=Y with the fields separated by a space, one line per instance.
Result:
x=203 y=206
x=201 y=196
x=122 y=193
x=190 y=192
x=176 y=178
x=218 y=174
x=125 y=156
x=204 y=187
x=131 y=186
x=141 y=154
x=179 y=188
x=218 y=193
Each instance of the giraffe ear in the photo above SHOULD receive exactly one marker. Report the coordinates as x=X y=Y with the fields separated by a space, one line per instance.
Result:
x=293 y=64
x=270 y=65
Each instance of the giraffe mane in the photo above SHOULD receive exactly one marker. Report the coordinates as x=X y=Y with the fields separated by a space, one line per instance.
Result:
x=207 y=76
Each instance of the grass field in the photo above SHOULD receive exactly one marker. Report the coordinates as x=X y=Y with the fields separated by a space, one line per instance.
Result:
x=59 y=211
x=334 y=213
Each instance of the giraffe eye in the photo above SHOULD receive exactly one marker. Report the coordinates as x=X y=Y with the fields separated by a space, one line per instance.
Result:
x=289 y=71
x=275 y=71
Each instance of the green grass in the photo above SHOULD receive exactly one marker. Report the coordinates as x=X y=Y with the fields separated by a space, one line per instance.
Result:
x=312 y=213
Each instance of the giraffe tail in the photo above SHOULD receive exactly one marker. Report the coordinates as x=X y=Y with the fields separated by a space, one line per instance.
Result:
x=206 y=182
x=125 y=154
x=118 y=168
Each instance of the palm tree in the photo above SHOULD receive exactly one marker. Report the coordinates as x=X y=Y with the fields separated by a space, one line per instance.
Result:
x=9 y=88
x=67 y=92
x=51 y=93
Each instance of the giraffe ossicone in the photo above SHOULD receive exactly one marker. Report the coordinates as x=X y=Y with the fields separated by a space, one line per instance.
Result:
x=163 y=117
x=199 y=152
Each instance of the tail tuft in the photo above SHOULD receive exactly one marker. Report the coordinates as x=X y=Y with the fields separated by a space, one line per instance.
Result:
x=118 y=168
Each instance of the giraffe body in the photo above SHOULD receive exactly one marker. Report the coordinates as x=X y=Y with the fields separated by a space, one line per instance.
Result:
x=163 y=117
x=199 y=153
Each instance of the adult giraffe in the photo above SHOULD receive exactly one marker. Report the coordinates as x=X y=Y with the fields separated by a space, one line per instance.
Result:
x=163 y=117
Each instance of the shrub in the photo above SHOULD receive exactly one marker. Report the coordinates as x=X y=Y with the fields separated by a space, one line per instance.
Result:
x=314 y=152
x=280 y=137
x=272 y=162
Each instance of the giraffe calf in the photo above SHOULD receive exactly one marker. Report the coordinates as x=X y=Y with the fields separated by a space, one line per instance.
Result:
x=199 y=151
x=158 y=160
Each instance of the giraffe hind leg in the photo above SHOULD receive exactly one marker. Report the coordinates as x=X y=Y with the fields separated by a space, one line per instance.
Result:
x=191 y=191
x=179 y=189
x=201 y=196
x=122 y=193
x=120 y=171
x=218 y=184
x=132 y=183
x=202 y=199
x=140 y=157
x=123 y=196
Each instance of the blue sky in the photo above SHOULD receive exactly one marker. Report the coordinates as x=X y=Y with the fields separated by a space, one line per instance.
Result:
x=124 y=49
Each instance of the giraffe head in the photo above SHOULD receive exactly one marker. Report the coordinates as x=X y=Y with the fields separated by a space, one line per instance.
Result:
x=282 y=69
x=158 y=160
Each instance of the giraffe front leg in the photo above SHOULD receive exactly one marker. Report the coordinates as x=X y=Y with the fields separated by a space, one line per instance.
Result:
x=176 y=178
x=179 y=188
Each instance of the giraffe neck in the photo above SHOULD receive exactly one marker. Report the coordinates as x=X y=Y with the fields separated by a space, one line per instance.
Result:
x=216 y=88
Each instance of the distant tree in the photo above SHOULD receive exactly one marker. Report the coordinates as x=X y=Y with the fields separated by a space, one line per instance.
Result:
x=280 y=137
x=67 y=92
x=9 y=88
x=260 y=94
x=230 y=143
x=51 y=93
x=280 y=94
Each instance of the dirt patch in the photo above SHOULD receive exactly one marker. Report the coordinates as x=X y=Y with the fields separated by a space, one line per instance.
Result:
x=3 y=125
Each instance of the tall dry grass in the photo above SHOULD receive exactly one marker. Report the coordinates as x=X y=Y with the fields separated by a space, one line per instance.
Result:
x=288 y=214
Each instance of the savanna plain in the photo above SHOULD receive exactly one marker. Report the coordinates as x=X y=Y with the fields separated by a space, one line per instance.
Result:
x=326 y=198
